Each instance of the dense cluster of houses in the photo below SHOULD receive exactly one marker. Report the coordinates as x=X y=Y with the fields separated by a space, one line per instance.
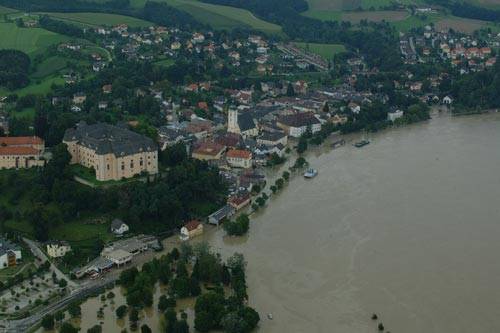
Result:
x=465 y=52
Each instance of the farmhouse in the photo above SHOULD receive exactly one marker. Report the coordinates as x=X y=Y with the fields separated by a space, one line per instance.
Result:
x=21 y=152
x=191 y=229
x=118 y=227
x=113 y=152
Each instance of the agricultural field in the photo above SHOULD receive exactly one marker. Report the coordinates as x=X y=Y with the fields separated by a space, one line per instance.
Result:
x=356 y=16
x=327 y=51
x=28 y=40
x=491 y=4
x=5 y=11
x=220 y=17
x=460 y=24
x=99 y=19
x=346 y=5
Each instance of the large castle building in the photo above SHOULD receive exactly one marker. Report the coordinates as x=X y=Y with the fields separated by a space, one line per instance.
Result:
x=113 y=152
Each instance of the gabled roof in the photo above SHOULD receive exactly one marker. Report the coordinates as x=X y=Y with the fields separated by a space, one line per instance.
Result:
x=245 y=122
x=192 y=225
x=116 y=224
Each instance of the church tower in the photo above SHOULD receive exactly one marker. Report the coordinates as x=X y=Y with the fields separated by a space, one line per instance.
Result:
x=232 y=121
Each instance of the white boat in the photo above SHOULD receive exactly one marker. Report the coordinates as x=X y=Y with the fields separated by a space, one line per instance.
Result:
x=270 y=316
x=310 y=173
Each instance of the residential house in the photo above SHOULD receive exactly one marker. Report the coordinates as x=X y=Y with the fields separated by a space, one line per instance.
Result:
x=240 y=200
x=208 y=151
x=239 y=158
x=191 y=229
x=297 y=124
x=272 y=138
x=57 y=249
x=118 y=227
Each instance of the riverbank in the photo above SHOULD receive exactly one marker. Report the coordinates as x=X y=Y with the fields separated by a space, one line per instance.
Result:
x=327 y=253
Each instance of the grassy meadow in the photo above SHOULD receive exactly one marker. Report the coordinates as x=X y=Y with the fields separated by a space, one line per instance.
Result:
x=220 y=17
x=99 y=19
x=28 y=40
x=327 y=51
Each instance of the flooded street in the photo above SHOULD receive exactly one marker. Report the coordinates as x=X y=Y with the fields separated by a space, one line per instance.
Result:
x=407 y=227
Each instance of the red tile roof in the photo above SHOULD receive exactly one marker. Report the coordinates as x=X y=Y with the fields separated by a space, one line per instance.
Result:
x=20 y=140
x=192 y=225
x=238 y=153
x=209 y=148
x=18 y=150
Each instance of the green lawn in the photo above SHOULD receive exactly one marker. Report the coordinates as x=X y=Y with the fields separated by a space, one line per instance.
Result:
x=327 y=51
x=165 y=62
x=219 y=17
x=99 y=19
x=28 y=40
x=36 y=88
x=50 y=66
x=24 y=113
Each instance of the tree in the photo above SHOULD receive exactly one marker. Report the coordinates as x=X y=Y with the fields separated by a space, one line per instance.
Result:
x=209 y=310
x=121 y=311
x=286 y=175
x=68 y=328
x=273 y=188
x=95 y=329
x=133 y=315
x=238 y=227
x=290 y=91
x=194 y=287
x=145 y=329
x=280 y=183
x=75 y=310
x=59 y=316
x=48 y=322
x=203 y=322
x=302 y=145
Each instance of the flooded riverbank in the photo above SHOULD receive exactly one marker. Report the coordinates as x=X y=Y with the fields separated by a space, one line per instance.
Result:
x=406 y=227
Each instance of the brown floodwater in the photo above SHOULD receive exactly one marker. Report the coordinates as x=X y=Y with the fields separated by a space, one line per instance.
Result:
x=407 y=227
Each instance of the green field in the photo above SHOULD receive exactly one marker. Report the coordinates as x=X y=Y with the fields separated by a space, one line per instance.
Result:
x=344 y=5
x=357 y=16
x=99 y=19
x=36 y=88
x=219 y=17
x=5 y=10
x=326 y=51
x=28 y=40
x=49 y=66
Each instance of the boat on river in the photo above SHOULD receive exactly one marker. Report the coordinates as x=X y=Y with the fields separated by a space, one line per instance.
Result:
x=361 y=143
x=338 y=143
x=310 y=173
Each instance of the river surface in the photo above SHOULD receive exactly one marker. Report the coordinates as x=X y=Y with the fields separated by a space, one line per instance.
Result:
x=407 y=227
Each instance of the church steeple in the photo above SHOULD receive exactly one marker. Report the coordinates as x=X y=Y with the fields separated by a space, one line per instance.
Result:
x=232 y=121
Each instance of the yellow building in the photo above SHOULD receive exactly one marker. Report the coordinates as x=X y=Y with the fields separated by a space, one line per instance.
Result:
x=113 y=152
x=21 y=152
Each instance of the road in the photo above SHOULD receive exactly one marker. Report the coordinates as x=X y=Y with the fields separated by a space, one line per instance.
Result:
x=35 y=249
